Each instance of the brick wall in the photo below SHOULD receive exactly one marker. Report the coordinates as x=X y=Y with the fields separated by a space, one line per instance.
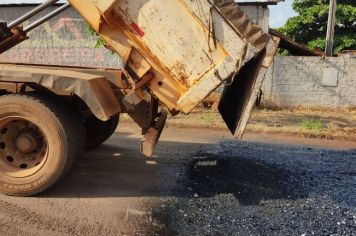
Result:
x=311 y=81
x=64 y=40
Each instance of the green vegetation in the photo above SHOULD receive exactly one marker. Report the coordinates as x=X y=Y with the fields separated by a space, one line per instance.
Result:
x=310 y=26
x=208 y=118
x=314 y=125
x=99 y=42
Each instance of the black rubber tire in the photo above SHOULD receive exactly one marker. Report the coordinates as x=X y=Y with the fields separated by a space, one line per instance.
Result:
x=65 y=134
x=99 y=131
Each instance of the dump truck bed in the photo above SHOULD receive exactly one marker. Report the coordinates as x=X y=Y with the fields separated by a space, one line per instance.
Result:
x=190 y=47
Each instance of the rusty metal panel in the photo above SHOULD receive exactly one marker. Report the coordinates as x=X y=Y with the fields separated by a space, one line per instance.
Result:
x=239 y=98
x=93 y=89
x=190 y=47
x=17 y=36
x=184 y=50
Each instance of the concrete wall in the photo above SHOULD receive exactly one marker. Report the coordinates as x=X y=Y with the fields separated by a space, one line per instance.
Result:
x=258 y=14
x=64 y=40
x=311 y=81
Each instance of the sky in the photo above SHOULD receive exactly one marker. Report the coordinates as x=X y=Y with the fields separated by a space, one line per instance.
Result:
x=278 y=14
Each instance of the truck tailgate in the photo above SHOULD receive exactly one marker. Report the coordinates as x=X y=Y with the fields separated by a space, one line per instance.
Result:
x=239 y=97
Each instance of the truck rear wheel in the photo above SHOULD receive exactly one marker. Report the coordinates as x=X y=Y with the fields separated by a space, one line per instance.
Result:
x=38 y=143
x=99 y=131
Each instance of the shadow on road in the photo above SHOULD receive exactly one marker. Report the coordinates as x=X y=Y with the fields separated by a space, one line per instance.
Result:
x=189 y=170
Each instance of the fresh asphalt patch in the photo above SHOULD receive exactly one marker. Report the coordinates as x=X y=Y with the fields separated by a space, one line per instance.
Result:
x=242 y=188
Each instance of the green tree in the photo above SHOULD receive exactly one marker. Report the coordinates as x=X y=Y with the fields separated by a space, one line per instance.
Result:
x=310 y=26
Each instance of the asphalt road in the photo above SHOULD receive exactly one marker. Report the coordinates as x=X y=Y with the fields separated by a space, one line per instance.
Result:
x=201 y=182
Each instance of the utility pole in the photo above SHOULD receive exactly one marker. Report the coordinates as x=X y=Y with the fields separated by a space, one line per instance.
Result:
x=329 y=47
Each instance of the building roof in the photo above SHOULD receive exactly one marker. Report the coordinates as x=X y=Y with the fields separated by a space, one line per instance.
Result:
x=295 y=48
x=242 y=2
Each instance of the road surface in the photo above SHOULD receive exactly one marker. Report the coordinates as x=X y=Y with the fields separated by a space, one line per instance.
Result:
x=201 y=182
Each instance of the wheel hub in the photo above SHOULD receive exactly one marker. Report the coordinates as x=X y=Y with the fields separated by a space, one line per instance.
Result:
x=26 y=142
x=23 y=147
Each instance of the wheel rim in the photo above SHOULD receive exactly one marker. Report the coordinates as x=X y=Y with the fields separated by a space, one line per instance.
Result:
x=23 y=147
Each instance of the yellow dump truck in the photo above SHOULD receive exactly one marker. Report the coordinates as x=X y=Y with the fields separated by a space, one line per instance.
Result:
x=175 y=53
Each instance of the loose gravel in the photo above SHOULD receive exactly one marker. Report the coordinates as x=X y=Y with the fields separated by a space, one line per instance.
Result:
x=243 y=188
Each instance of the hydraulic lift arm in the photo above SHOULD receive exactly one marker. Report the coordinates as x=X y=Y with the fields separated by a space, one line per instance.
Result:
x=13 y=33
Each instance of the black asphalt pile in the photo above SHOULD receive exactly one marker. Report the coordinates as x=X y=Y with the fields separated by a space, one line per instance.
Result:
x=262 y=189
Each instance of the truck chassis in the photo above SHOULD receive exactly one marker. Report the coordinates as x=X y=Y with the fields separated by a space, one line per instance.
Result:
x=51 y=114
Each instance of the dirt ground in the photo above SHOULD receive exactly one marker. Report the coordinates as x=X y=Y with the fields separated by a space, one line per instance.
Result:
x=201 y=182
x=334 y=124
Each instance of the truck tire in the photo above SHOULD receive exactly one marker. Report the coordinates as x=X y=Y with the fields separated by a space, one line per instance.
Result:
x=39 y=141
x=99 y=131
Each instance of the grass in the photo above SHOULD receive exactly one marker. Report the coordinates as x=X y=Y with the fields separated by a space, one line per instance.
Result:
x=312 y=124
x=208 y=118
